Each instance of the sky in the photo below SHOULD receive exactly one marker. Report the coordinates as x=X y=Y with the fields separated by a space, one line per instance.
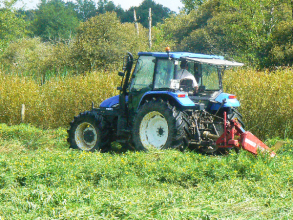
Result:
x=174 y=5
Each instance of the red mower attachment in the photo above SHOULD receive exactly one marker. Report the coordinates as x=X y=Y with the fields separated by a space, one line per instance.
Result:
x=235 y=136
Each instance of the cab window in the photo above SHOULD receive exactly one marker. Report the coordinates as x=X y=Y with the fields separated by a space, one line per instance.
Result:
x=164 y=73
x=143 y=73
x=210 y=77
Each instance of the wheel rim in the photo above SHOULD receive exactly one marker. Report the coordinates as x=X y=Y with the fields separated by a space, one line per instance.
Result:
x=86 y=136
x=154 y=130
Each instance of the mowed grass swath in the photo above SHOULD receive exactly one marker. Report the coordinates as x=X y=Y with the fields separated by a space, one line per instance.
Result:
x=41 y=178
x=266 y=98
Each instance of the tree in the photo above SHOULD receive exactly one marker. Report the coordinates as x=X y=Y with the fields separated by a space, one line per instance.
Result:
x=102 y=41
x=190 y=5
x=281 y=51
x=55 y=21
x=12 y=25
x=86 y=9
x=108 y=6
x=240 y=29
x=159 y=13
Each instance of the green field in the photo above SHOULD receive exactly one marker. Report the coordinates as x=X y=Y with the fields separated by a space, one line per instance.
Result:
x=40 y=178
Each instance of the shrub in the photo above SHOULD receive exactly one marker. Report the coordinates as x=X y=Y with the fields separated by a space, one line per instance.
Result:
x=31 y=57
x=102 y=41
x=266 y=100
x=265 y=97
x=56 y=102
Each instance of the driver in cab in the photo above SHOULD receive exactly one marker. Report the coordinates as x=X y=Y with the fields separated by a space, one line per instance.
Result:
x=183 y=73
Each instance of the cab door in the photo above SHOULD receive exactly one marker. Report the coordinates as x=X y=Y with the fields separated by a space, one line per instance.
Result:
x=141 y=82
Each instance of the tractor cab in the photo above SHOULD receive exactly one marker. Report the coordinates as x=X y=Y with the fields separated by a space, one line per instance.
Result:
x=160 y=74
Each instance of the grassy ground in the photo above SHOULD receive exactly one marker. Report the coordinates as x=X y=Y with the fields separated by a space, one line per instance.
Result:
x=40 y=178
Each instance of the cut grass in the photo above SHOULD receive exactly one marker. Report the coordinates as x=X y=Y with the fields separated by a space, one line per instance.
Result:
x=40 y=178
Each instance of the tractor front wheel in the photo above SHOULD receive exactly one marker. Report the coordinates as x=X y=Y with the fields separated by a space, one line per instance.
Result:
x=159 y=125
x=88 y=132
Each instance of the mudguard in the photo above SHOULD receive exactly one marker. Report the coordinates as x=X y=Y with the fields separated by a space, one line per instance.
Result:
x=110 y=102
x=231 y=101
x=180 y=97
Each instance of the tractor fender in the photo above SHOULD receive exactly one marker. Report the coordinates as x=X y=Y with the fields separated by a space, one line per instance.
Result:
x=230 y=101
x=110 y=102
x=180 y=99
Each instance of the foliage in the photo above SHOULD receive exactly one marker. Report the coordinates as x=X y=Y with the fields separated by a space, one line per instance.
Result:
x=159 y=13
x=41 y=178
x=103 y=40
x=32 y=57
x=11 y=27
x=281 y=52
x=54 y=21
x=160 y=41
x=241 y=29
x=56 y=102
x=108 y=6
x=190 y=5
x=85 y=9
x=90 y=51
x=257 y=33
x=266 y=100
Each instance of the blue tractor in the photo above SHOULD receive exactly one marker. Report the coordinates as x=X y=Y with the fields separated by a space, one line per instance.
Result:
x=157 y=110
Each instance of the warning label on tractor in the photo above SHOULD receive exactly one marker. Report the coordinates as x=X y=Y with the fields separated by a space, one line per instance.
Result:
x=250 y=142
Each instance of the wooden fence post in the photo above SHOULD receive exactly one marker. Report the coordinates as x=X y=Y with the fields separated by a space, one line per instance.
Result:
x=22 y=113
x=150 y=28
x=135 y=22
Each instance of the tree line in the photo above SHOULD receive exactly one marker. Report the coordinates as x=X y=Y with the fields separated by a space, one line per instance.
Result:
x=58 y=20
x=83 y=36
x=258 y=32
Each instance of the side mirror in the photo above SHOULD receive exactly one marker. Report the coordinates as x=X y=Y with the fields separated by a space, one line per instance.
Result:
x=121 y=74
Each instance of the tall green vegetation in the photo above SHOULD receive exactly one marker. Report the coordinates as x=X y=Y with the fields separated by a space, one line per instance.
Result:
x=63 y=45
x=56 y=102
x=32 y=57
x=245 y=30
x=54 y=21
x=265 y=98
x=12 y=25
x=159 y=13
x=103 y=40
x=190 y=5
x=85 y=9
x=257 y=33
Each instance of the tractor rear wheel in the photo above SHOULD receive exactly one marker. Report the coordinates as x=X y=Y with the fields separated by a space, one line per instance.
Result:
x=159 y=125
x=88 y=132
